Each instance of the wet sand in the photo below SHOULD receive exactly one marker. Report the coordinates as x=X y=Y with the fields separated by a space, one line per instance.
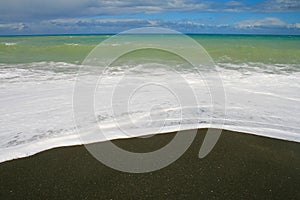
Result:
x=240 y=166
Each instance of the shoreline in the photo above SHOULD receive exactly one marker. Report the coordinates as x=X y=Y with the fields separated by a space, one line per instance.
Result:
x=116 y=139
x=240 y=166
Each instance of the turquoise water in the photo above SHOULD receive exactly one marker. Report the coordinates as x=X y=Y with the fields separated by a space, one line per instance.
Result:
x=222 y=48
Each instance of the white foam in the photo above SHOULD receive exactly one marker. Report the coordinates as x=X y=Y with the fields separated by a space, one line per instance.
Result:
x=36 y=106
x=9 y=43
x=72 y=44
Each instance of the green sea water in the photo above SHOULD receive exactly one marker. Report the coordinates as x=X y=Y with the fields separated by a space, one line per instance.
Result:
x=259 y=74
x=222 y=48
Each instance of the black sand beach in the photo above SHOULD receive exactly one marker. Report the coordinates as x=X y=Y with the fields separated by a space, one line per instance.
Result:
x=241 y=166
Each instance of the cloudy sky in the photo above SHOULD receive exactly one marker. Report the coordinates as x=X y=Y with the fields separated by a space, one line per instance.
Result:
x=113 y=16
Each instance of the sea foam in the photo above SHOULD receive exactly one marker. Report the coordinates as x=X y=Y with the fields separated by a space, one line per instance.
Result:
x=37 y=112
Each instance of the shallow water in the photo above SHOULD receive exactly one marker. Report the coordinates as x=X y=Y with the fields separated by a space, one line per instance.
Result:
x=260 y=77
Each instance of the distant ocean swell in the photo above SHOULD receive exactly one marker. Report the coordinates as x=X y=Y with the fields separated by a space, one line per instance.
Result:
x=36 y=104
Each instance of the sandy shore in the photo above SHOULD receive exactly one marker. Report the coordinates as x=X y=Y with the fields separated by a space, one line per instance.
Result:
x=240 y=166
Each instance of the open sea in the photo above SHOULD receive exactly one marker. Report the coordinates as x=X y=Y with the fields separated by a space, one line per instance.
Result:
x=260 y=78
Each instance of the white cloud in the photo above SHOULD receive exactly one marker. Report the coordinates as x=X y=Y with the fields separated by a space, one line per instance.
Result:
x=115 y=25
x=266 y=22
x=13 y=26
x=297 y=25
x=234 y=3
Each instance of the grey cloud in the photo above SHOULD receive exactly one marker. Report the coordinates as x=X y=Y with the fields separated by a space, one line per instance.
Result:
x=37 y=10
x=14 y=10
x=280 y=5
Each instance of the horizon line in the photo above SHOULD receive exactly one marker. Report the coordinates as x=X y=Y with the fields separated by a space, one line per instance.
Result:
x=84 y=34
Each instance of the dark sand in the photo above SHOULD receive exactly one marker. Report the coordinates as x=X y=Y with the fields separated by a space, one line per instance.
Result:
x=241 y=166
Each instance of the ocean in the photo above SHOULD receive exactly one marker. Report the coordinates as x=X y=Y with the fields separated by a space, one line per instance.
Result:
x=260 y=78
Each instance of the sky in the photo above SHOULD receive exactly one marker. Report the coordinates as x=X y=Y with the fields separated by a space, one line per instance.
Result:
x=26 y=17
